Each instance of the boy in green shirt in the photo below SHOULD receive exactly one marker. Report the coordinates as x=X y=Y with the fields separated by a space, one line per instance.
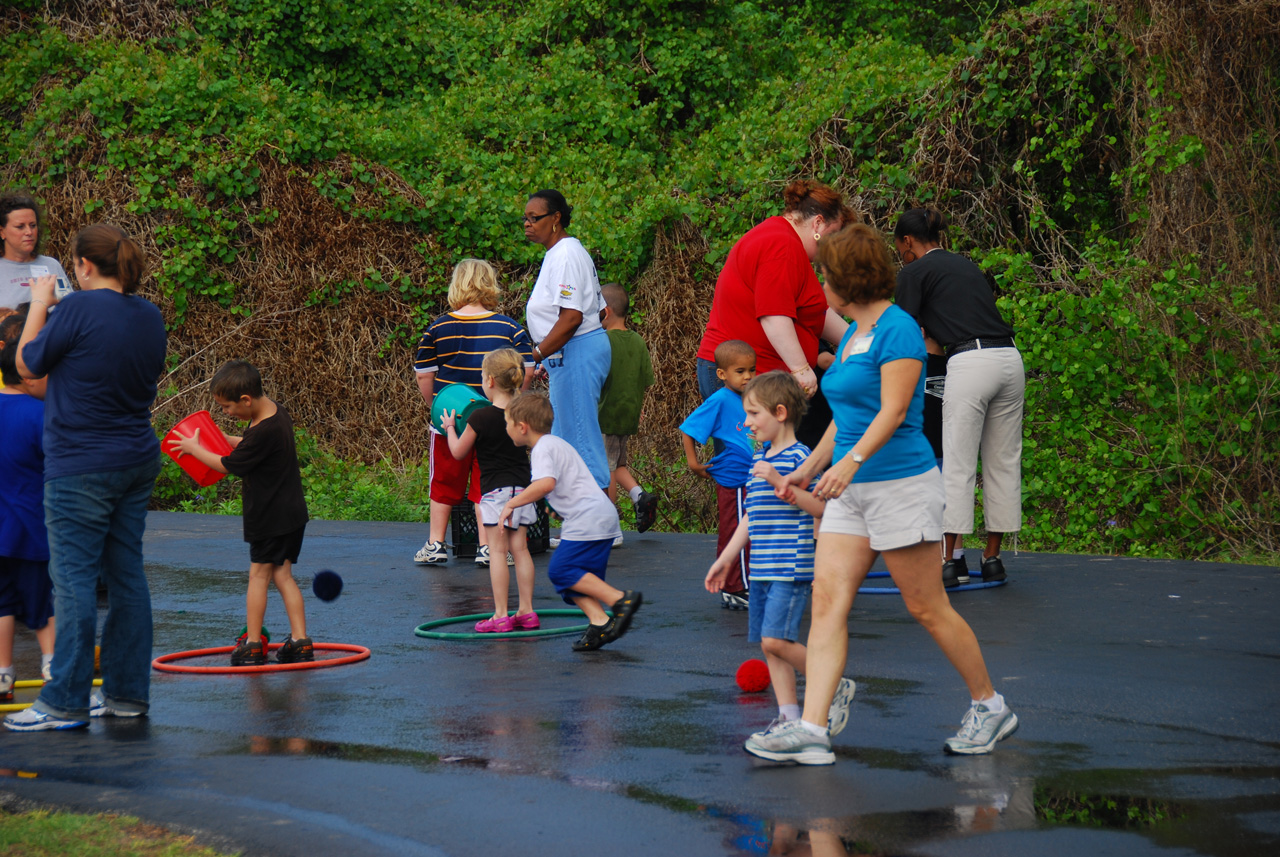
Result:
x=630 y=375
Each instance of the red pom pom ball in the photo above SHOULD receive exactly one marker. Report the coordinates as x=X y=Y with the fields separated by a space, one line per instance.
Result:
x=753 y=675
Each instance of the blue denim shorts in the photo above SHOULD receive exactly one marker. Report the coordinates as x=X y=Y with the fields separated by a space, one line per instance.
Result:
x=776 y=609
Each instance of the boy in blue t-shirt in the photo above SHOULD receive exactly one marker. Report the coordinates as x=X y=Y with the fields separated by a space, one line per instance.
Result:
x=722 y=418
x=782 y=541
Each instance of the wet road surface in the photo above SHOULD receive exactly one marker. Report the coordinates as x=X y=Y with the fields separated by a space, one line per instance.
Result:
x=1147 y=690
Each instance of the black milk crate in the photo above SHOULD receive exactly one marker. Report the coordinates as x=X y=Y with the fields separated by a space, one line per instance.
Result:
x=466 y=538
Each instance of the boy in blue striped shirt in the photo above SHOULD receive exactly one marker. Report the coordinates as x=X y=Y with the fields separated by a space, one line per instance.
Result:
x=782 y=544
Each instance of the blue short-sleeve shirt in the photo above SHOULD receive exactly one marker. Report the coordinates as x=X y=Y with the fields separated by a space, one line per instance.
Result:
x=852 y=387
x=722 y=416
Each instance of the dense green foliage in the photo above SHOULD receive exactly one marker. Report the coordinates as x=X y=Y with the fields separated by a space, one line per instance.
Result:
x=1151 y=424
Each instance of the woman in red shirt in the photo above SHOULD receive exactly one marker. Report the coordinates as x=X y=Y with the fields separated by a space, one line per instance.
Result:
x=768 y=295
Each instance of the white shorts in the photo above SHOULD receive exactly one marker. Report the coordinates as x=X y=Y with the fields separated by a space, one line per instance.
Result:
x=491 y=505
x=895 y=513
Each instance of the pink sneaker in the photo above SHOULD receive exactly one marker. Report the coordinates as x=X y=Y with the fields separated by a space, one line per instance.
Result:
x=495 y=625
x=527 y=622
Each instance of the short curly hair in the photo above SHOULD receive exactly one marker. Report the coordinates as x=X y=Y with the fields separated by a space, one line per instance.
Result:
x=856 y=265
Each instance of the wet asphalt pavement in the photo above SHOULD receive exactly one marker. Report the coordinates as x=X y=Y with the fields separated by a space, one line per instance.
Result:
x=1147 y=690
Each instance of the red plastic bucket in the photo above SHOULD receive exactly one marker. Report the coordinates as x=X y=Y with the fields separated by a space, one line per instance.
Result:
x=211 y=438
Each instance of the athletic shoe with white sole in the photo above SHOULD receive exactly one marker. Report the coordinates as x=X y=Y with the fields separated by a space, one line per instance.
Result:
x=431 y=553
x=482 y=555
x=30 y=720
x=791 y=742
x=735 y=600
x=553 y=542
x=6 y=687
x=646 y=511
x=46 y=671
x=838 y=714
x=980 y=730
x=98 y=707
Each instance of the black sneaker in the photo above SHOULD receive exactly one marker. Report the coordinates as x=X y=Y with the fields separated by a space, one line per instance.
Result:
x=249 y=654
x=646 y=511
x=735 y=600
x=992 y=569
x=954 y=573
x=593 y=638
x=295 y=651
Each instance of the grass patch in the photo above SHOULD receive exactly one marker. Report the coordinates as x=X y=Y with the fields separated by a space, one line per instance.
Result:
x=57 y=834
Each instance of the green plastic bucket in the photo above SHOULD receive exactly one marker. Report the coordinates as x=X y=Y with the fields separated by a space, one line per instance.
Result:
x=456 y=397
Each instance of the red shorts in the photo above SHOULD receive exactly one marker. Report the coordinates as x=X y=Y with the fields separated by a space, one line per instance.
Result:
x=449 y=475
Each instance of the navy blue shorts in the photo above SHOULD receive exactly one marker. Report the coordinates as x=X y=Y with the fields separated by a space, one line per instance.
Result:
x=277 y=549
x=26 y=592
x=573 y=560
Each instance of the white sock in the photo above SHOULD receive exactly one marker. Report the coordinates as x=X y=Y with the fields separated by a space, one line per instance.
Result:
x=958 y=553
x=789 y=712
x=815 y=730
x=7 y=670
x=45 y=660
x=635 y=493
x=995 y=704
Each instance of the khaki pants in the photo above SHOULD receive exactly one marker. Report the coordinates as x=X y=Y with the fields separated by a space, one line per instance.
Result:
x=982 y=411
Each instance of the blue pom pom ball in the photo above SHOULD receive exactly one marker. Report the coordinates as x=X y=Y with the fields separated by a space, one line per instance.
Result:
x=327 y=585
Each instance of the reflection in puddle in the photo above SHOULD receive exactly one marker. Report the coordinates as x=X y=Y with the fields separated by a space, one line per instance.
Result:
x=16 y=774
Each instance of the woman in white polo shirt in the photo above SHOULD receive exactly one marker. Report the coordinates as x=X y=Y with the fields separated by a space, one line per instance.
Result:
x=563 y=316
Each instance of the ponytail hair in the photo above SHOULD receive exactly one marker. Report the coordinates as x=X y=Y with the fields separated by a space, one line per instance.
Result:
x=809 y=199
x=114 y=253
x=506 y=367
x=924 y=224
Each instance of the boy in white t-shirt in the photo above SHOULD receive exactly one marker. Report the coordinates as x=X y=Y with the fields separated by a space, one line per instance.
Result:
x=578 y=566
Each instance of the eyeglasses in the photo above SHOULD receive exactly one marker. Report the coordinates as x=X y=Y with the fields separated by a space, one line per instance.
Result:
x=534 y=218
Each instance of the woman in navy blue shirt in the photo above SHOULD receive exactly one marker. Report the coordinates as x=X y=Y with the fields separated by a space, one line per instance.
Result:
x=103 y=352
x=884 y=496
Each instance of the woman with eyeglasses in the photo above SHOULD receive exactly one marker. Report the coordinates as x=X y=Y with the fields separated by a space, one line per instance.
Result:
x=563 y=316
x=950 y=298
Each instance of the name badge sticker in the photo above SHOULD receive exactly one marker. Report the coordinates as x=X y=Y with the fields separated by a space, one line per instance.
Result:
x=862 y=346
x=39 y=271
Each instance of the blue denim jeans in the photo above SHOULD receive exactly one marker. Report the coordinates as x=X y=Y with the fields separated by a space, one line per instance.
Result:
x=575 y=379
x=96 y=522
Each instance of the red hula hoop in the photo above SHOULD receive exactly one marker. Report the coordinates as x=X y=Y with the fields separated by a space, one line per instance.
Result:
x=164 y=662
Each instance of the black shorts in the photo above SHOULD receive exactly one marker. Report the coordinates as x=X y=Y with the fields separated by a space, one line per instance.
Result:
x=277 y=549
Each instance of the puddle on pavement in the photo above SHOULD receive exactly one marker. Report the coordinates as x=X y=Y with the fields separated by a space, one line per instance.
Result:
x=1224 y=812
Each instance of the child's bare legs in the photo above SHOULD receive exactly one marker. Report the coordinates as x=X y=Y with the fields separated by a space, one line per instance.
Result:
x=439 y=522
x=261 y=574
x=44 y=637
x=7 y=627
x=499 y=577
x=597 y=592
x=785 y=659
x=293 y=606
x=518 y=544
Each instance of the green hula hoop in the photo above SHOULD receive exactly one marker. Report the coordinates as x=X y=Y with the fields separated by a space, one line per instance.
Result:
x=425 y=629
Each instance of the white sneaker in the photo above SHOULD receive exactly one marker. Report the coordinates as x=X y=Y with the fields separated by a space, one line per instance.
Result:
x=432 y=553
x=510 y=560
x=98 y=707
x=617 y=543
x=838 y=713
x=30 y=720
x=980 y=730
x=6 y=684
x=482 y=555
x=553 y=542
x=45 y=672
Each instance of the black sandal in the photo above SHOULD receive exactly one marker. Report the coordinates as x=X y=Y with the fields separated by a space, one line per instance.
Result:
x=592 y=639
x=623 y=610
